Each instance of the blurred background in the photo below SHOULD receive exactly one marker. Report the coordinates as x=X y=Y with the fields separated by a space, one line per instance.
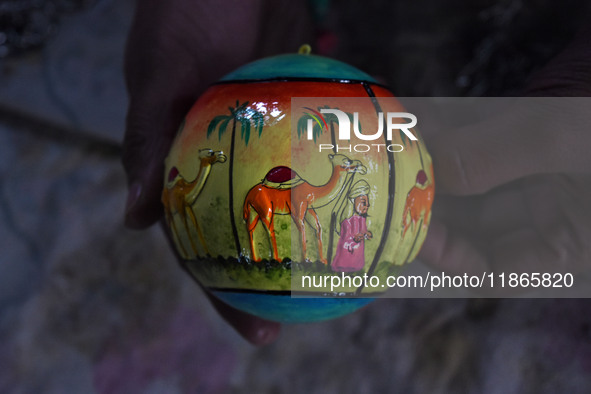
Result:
x=87 y=306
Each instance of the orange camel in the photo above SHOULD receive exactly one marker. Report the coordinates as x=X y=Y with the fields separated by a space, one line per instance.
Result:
x=283 y=192
x=418 y=202
x=179 y=195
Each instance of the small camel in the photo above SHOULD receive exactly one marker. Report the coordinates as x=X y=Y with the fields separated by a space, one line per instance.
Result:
x=418 y=202
x=283 y=192
x=179 y=195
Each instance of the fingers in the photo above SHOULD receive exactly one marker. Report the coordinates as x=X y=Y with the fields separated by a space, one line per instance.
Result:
x=464 y=230
x=476 y=158
x=520 y=251
x=174 y=51
x=254 y=329
x=534 y=136
x=160 y=84
x=523 y=250
x=448 y=251
x=151 y=127
x=487 y=216
x=539 y=224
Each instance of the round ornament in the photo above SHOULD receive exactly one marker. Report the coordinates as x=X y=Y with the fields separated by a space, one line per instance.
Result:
x=295 y=186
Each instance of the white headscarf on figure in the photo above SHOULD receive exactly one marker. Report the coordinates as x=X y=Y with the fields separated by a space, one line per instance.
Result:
x=359 y=188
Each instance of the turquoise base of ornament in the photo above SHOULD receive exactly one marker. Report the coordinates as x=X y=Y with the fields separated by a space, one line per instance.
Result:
x=288 y=309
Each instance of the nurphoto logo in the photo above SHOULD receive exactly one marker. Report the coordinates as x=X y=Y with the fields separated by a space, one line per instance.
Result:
x=392 y=121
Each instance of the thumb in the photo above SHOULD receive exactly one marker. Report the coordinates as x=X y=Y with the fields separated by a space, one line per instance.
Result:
x=538 y=135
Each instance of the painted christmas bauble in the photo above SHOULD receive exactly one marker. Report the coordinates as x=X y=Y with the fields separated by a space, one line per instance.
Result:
x=283 y=199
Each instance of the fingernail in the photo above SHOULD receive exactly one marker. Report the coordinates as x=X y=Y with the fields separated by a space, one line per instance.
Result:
x=133 y=196
x=266 y=334
x=262 y=336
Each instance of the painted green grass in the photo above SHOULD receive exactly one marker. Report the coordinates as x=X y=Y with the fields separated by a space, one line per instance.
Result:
x=231 y=273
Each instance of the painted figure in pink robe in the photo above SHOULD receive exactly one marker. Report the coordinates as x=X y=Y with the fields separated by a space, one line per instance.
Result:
x=350 y=254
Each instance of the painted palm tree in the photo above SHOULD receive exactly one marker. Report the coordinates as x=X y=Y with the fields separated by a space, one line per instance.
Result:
x=248 y=118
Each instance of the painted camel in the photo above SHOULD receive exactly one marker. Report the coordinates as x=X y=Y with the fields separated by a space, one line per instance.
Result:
x=179 y=195
x=418 y=202
x=283 y=192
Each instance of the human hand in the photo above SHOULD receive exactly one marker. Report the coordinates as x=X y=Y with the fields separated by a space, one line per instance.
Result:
x=368 y=235
x=174 y=51
x=514 y=192
x=358 y=237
